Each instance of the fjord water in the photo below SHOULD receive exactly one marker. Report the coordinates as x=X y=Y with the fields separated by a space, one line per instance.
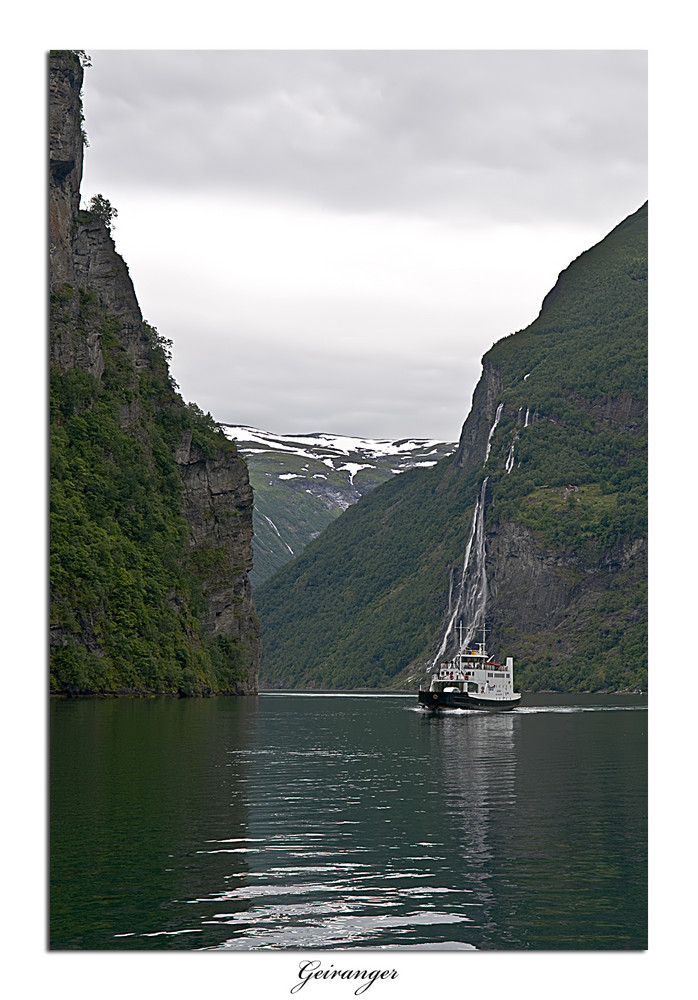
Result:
x=302 y=822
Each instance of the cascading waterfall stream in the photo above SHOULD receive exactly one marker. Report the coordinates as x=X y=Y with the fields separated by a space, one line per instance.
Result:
x=509 y=464
x=471 y=590
x=492 y=430
x=467 y=597
x=273 y=526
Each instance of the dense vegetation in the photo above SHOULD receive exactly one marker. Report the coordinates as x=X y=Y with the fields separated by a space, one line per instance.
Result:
x=581 y=371
x=363 y=605
x=127 y=598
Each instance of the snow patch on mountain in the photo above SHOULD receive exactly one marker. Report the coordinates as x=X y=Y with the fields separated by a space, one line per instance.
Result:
x=328 y=446
x=301 y=482
x=352 y=468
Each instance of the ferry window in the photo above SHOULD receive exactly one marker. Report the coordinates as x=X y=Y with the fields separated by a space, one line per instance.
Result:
x=472 y=686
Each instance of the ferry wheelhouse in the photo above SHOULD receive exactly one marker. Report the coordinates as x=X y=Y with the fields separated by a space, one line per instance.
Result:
x=471 y=680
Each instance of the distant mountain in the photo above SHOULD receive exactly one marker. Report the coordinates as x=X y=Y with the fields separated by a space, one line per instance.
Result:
x=302 y=482
x=537 y=525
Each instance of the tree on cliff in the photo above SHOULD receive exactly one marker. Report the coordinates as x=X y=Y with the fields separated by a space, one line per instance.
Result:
x=103 y=209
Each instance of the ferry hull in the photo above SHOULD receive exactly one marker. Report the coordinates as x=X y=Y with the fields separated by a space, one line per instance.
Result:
x=460 y=699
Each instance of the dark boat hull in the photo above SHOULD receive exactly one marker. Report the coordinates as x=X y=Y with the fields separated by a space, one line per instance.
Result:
x=460 y=699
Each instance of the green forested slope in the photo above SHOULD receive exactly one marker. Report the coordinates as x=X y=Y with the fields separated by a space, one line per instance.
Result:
x=365 y=603
x=127 y=599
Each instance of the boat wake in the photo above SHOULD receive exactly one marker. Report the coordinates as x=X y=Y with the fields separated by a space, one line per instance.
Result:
x=532 y=710
x=567 y=709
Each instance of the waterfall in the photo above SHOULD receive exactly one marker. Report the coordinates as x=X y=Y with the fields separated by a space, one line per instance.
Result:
x=471 y=589
x=272 y=525
x=492 y=430
x=526 y=420
x=510 y=458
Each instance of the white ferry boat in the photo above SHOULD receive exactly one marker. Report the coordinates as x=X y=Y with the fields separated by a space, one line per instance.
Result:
x=471 y=680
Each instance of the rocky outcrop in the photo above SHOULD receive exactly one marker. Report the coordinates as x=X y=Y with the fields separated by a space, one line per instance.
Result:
x=81 y=251
x=472 y=446
x=528 y=584
x=620 y=412
x=100 y=268
x=217 y=503
x=95 y=317
x=65 y=161
x=73 y=343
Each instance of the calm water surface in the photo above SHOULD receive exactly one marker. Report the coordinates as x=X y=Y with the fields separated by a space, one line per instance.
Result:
x=315 y=821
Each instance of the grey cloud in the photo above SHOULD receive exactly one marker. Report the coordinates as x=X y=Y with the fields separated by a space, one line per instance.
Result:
x=320 y=391
x=469 y=135
x=546 y=141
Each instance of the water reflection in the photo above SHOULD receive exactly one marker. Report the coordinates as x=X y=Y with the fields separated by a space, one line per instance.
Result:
x=311 y=822
x=339 y=860
x=136 y=790
x=478 y=771
x=475 y=759
x=385 y=838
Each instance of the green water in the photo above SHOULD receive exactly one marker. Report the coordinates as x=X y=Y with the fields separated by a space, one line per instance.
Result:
x=310 y=821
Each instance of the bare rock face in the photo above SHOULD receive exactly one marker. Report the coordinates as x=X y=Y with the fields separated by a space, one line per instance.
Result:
x=217 y=503
x=621 y=411
x=472 y=447
x=528 y=584
x=99 y=267
x=552 y=603
x=65 y=161
x=81 y=251
x=76 y=340
x=94 y=310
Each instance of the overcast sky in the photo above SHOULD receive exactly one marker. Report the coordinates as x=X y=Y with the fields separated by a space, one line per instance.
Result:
x=332 y=240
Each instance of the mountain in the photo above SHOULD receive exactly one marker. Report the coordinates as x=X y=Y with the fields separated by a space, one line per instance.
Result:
x=537 y=525
x=302 y=482
x=151 y=506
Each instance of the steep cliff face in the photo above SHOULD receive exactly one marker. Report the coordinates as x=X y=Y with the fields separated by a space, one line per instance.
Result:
x=217 y=504
x=537 y=587
x=559 y=611
x=65 y=161
x=558 y=426
x=537 y=527
x=151 y=531
x=475 y=435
